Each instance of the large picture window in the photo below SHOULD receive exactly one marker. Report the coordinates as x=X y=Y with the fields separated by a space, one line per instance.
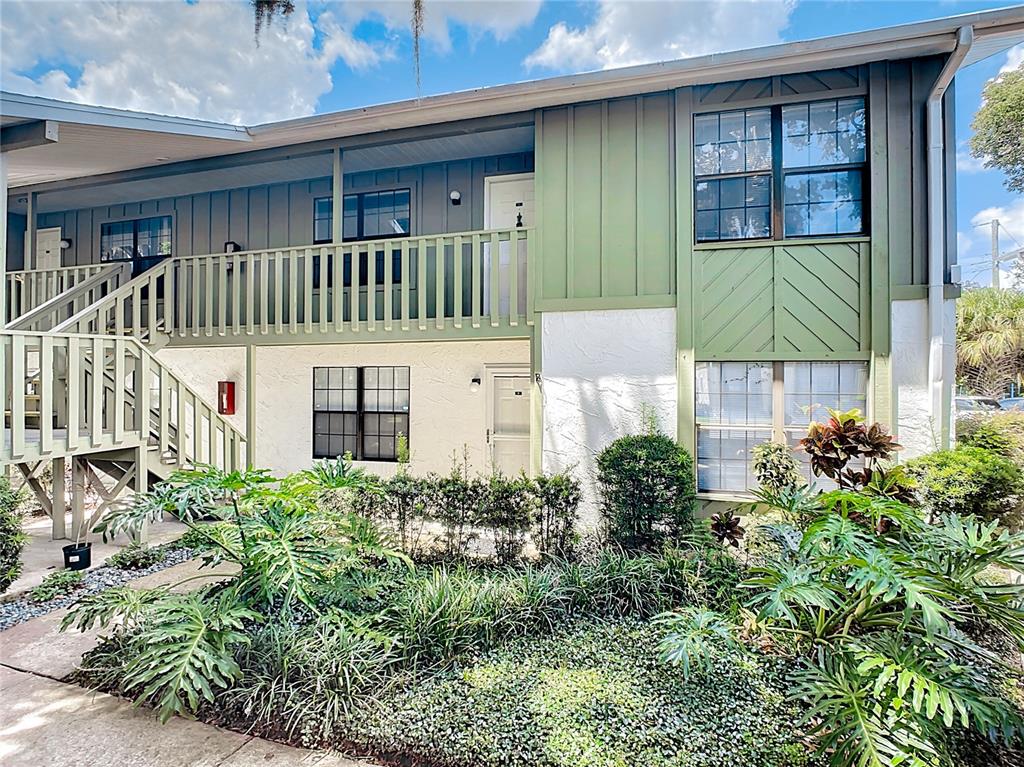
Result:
x=794 y=170
x=365 y=216
x=742 y=404
x=360 y=410
x=140 y=238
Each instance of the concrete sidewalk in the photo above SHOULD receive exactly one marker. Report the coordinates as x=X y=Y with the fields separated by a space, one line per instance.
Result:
x=44 y=721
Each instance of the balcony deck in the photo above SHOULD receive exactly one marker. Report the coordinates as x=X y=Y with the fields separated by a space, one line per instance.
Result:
x=449 y=286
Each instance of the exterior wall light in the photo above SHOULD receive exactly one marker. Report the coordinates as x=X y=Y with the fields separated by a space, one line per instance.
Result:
x=474 y=385
x=456 y=197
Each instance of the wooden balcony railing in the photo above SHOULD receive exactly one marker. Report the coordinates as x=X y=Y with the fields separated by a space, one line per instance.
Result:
x=65 y=394
x=29 y=288
x=473 y=282
x=75 y=298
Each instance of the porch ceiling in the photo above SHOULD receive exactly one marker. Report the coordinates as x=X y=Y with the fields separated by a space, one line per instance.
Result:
x=294 y=168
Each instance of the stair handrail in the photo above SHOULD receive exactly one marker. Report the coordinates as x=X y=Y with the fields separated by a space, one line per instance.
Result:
x=115 y=273
x=24 y=285
x=92 y=314
x=14 y=448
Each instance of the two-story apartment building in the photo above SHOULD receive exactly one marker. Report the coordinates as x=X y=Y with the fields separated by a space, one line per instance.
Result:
x=732 y=242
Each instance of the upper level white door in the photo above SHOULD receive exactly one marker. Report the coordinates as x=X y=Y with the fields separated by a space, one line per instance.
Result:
x=48 y=248
x=508 y=204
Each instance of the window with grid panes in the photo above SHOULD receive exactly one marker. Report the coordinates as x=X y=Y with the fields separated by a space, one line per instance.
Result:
x=794 y=170
x=137 y=239
x=360 y=411
x=810 y=390
x=365 y=216
x=738 y=407
x=734 y=413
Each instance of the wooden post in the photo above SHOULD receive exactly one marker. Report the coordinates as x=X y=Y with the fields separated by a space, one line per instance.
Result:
x=337 y=198
x=59 y=503
x=3 y=237
x=30 y=233
x=142 y=487
x=77 y=496
x=250 y=405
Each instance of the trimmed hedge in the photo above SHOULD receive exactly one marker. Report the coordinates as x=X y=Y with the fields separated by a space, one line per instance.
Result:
x=647 y=490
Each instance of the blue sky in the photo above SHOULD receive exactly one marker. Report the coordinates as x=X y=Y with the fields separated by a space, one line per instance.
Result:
x=197 y=58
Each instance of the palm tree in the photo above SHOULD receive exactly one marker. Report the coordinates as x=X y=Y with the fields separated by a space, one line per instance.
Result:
x=990 y=340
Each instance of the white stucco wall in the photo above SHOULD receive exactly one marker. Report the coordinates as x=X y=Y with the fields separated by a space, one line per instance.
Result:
x=202 y=367
x=599 y=368
x=916 y=428
x=444 y=414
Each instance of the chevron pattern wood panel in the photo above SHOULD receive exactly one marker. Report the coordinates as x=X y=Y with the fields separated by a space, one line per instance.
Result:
x=736 y=308
x=821 y=298
x=806 y=298
x=799 y=84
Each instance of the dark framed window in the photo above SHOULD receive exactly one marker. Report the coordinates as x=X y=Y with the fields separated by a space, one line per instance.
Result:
x=360 y=410
x=140 y=238
x=794 y=170
x=365 y=216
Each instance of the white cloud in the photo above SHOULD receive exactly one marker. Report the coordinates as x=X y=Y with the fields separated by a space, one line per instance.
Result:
x=624 y=33
x=195 y=59
x=974 y=247
x=498 y=18
x=968 y=163
x=1014 y=58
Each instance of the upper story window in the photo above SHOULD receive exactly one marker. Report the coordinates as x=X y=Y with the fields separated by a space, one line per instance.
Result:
x=138 y=238
x=784 y=171
x=365 y=216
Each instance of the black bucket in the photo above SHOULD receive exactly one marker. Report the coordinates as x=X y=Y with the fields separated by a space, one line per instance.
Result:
x=77 y=556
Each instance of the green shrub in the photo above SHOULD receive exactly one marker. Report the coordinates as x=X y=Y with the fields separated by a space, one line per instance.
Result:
x=300 y=681
x=775 y=467
x=969 y=481
x=401 y=504
x=135 y=556
x=12 y=537
x=506 y=512
x=1002 y=433
x=555 y=513
x=647 y=490
x=57 y=584
x=591 y=694
x=457 y=499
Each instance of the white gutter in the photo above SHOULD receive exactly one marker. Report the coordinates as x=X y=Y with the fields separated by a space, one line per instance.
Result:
x=938 y=376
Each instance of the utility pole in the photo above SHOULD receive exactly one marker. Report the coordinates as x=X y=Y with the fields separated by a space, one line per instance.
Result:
x=995 y=253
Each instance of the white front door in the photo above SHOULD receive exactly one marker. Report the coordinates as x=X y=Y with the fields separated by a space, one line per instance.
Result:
x=508 y=204
x=509 y=422
x=48 y=248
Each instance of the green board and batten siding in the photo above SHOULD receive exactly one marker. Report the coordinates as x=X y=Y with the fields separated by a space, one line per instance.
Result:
x=820 y=299
x=605 y=189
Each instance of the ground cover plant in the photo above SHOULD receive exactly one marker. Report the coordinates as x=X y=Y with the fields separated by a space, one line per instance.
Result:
x=863 y=631
x=56 y=584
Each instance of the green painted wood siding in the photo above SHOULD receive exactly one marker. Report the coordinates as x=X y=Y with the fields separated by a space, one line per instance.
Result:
x=606 y=200
x=786 y=301
x=281 y=215
x=902 y=89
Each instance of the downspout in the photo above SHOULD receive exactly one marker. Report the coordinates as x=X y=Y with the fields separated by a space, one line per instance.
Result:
x=937 y=374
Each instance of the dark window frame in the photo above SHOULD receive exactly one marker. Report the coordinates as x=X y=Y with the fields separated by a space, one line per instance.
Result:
x=361 y=413
x=778 y=174
x=360 y=223
x=135 y=228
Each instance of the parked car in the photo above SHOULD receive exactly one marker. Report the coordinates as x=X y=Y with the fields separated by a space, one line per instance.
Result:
x=977 y=404
x=1012 y=403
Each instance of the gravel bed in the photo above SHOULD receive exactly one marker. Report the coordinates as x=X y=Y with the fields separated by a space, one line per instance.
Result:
x=96 y=579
